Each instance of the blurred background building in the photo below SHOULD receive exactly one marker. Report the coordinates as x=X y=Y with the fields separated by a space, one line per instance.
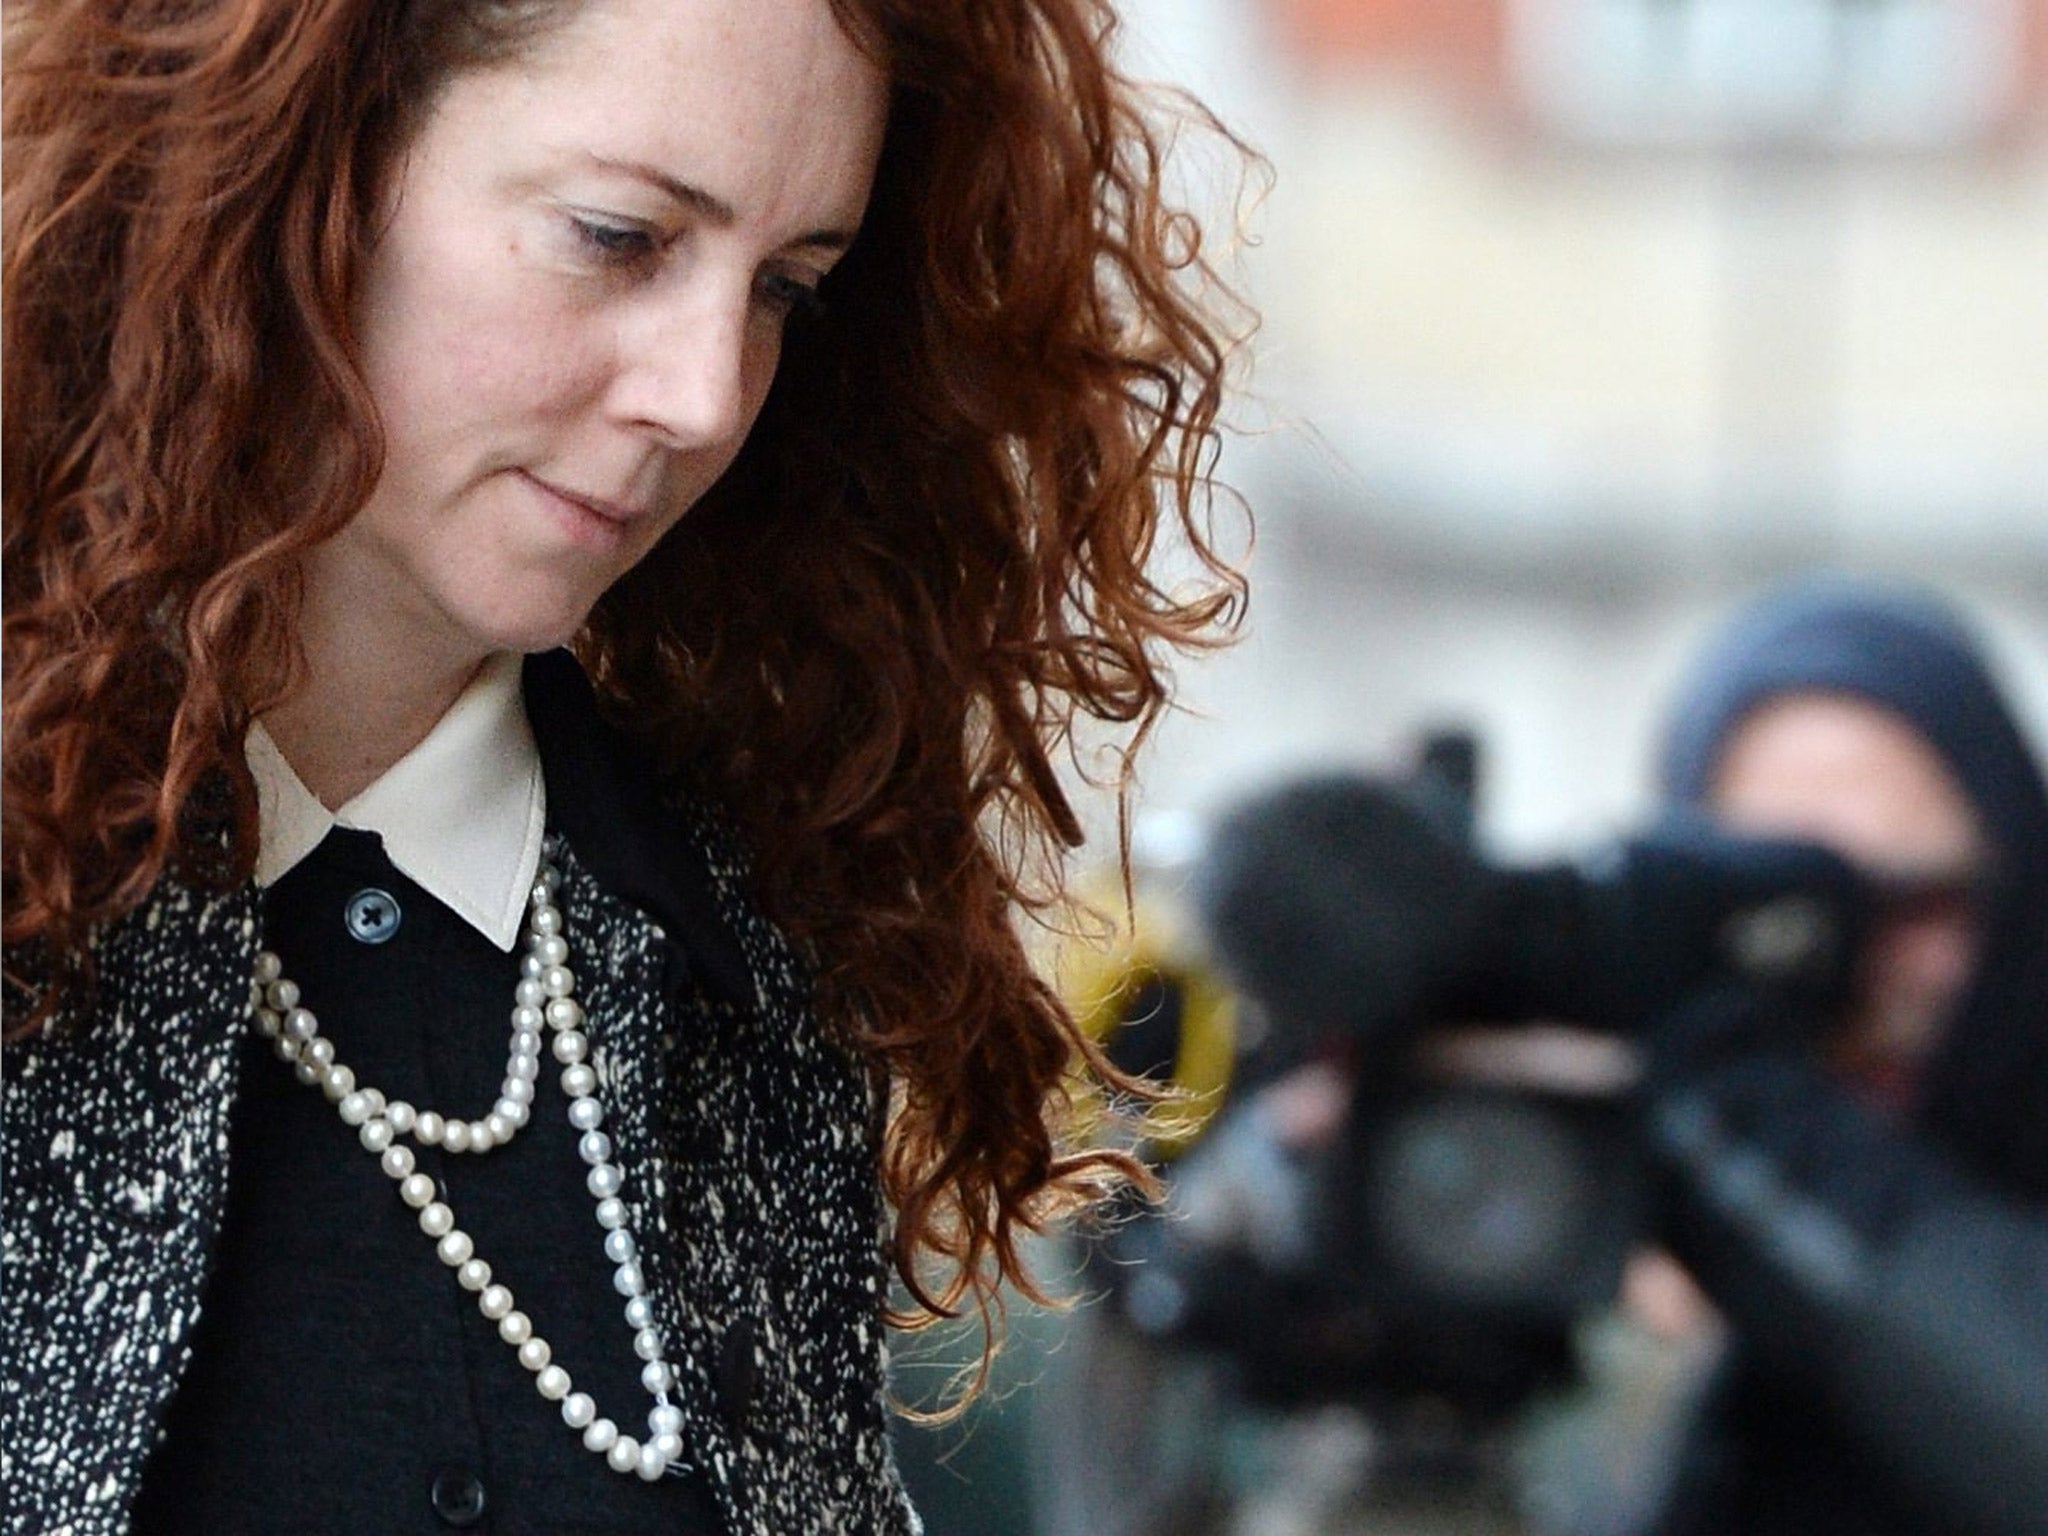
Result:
x=1582 y=319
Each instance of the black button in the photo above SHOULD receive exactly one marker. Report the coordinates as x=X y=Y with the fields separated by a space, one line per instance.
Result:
x=372 y=916
x=458 y=1497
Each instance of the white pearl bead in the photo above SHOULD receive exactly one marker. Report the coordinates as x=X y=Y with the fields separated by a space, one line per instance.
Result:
x=544 y=1001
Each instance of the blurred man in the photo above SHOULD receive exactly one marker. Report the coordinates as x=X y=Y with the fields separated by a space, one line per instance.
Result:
x=1873 y=1218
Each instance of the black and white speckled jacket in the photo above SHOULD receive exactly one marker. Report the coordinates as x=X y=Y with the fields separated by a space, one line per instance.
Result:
x=730 y=1102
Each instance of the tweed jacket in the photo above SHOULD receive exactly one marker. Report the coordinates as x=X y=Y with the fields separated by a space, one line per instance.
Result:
x=732 y=1106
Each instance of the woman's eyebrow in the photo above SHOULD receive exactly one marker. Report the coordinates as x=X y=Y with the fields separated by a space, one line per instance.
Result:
x=708 y=205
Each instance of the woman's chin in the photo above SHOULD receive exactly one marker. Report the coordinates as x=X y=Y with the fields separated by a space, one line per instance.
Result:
x=532 y=632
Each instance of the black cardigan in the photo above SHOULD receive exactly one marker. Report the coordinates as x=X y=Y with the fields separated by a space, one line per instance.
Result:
x=748 y=1139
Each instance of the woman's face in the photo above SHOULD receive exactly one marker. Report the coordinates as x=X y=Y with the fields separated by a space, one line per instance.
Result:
x=575 y=307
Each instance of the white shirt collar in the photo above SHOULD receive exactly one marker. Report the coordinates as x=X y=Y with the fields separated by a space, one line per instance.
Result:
x=462 y=814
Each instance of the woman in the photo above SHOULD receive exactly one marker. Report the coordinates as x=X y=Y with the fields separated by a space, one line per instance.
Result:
x=822 y=376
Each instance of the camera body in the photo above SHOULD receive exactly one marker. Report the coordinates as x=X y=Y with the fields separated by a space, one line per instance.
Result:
x=1441 y=1237
x=1443 y=1246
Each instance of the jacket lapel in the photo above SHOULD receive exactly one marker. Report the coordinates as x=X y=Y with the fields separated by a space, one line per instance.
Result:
x=115 y=1163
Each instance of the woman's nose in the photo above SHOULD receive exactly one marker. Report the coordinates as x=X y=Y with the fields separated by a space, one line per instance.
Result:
x=687 y=370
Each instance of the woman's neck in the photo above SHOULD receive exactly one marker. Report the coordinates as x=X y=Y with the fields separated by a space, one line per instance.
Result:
x=366 y=703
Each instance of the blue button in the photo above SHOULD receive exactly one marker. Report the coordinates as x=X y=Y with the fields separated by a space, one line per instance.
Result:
x=372 y=916
x=458 y=1497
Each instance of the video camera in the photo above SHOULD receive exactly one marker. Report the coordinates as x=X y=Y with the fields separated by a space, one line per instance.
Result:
x=1444 y=1239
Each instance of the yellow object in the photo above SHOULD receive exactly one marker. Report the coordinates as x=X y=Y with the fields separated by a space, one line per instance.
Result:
x=1102 y=983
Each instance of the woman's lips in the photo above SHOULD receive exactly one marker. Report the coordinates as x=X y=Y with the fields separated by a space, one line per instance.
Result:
x=592 y=520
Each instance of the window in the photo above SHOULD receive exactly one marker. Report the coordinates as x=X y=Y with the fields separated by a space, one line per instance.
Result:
x=1905 y=74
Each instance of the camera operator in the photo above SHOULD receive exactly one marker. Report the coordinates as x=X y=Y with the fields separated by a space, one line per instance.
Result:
x=1872 y=1220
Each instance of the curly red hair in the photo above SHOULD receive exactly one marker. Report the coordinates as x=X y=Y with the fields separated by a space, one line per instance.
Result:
x=932 y=556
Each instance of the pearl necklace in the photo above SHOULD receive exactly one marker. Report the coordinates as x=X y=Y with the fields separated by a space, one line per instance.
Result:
x=545 y=996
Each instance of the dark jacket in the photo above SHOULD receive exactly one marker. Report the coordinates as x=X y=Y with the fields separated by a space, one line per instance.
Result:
x=1887 y=1282
x=766 y=1134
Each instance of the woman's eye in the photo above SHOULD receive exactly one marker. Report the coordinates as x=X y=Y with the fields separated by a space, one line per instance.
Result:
x=791 y=297
x=614 y=242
